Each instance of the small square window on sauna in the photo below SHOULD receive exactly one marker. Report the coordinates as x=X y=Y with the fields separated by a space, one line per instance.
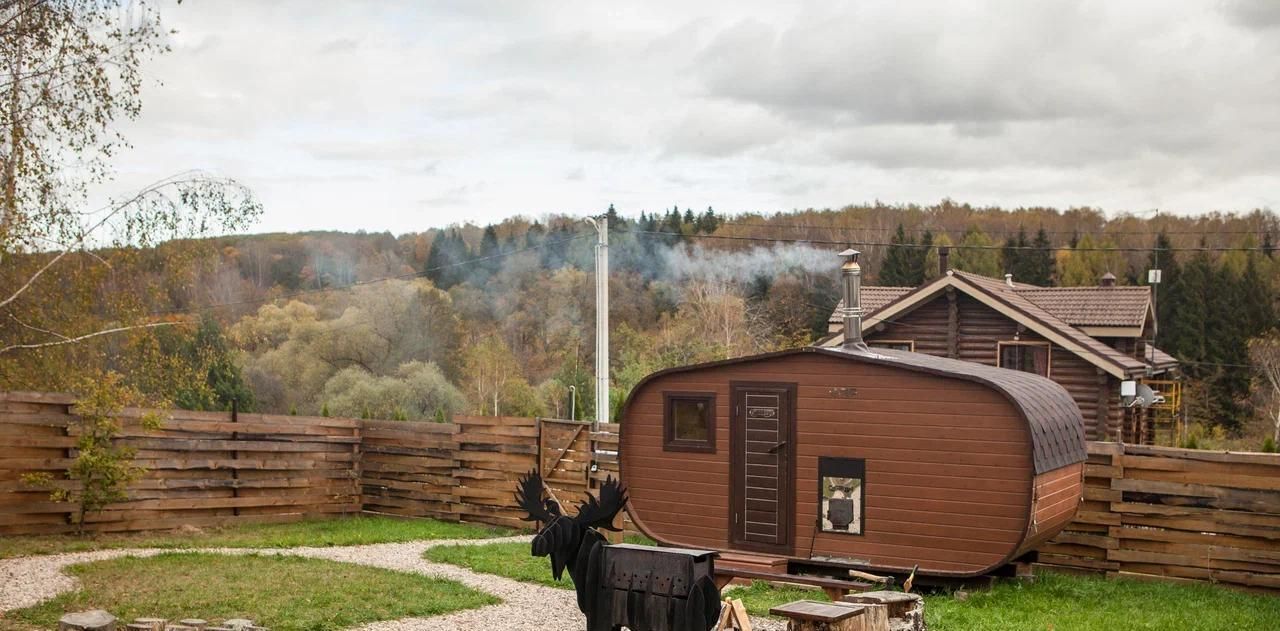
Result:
x=841 y=491
x=689 y=421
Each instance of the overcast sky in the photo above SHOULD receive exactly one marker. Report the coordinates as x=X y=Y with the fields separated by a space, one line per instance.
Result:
x=403 y=116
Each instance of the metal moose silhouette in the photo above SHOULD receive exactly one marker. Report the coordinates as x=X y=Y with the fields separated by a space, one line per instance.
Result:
x=641 y=587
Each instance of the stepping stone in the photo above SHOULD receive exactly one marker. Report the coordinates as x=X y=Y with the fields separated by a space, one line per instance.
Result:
x=95 y=620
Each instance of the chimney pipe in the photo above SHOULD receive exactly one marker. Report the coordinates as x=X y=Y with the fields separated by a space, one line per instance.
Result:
x=944 y=260
x=1008 y=279
x=1108 y=280
x=851 y=281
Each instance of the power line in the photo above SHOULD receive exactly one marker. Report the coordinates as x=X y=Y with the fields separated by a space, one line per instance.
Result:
x=1008 y=233
x=849 y=242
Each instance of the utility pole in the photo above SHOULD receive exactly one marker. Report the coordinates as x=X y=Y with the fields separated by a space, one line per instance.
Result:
x=601 y=225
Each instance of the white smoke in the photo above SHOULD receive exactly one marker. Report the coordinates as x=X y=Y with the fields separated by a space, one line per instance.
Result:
x=735 y=266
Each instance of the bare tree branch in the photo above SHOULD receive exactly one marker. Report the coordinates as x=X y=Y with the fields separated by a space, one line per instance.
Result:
x=36 y=328
x=72 y=340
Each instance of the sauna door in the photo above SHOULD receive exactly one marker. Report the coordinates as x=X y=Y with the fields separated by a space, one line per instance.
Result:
x=762 y=460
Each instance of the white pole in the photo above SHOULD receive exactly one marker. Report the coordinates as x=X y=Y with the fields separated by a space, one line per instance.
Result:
x=602 y=317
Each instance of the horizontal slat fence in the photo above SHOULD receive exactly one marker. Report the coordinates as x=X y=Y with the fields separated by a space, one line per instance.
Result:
x=1176 y=514
x=462 y=471
x=203 y=468
x=1148 y=512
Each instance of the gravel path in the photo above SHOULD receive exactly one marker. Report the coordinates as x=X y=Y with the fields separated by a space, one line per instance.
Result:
x=27 y=581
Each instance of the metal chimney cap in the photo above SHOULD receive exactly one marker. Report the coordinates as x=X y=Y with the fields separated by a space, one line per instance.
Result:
x=851 y=252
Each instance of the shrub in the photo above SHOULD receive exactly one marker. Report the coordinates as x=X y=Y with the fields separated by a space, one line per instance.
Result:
x=102 y=470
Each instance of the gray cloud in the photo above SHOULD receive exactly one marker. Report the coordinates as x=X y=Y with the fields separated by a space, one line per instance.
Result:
x=747 y=105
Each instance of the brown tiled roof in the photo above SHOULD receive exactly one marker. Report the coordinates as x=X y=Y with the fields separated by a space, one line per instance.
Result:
x=1014 y=297
x=1077 y=306
x=1160 y=360
x=873 y=297
x=1057 y=427
x=1093 y=306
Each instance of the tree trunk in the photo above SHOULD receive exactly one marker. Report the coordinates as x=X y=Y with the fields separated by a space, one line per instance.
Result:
x=9 y=178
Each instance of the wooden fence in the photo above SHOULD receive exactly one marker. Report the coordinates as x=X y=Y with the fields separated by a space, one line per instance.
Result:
x=203 y=468
x=1176 y=514
x=1149 y=512
x=463 y=471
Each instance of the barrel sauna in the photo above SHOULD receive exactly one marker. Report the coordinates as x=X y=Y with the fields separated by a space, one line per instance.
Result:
x=866 y=458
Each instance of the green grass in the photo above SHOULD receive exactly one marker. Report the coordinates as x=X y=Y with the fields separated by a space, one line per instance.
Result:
x=512 y=560
x=341 y=531
x=1061 y=602
x=280 y=592
x=760 y=597
x=1054 y=602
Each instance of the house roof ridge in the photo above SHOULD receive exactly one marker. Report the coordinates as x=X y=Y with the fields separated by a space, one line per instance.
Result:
x=1031 y=310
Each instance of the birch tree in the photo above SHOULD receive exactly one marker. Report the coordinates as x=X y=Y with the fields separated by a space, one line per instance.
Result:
x=70 y=70
x=1265 y=354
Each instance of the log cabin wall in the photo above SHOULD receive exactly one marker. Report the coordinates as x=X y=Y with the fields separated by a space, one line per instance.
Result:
x=948 y=466
x=976 y=330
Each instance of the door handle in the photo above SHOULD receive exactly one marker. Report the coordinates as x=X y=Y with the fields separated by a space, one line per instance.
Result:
x=774 y=449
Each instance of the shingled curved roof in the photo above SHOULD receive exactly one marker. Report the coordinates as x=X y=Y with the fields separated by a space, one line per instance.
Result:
x=1053 y=418
x=1057 y=427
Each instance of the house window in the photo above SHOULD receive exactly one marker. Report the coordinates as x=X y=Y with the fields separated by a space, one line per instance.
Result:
x=842 y=493
x=893 y=345
x=689 y=421
x=1030 y=357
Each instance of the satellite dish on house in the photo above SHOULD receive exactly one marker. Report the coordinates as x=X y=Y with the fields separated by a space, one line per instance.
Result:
x=1138 y=395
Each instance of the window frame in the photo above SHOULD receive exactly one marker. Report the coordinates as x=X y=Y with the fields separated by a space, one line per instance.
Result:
x=1048 y=355
x=669 y=440
x=886 y=344
x=841 y=462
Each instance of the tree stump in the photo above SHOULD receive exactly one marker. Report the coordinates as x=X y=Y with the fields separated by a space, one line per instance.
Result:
x=95 y=620
x=905 y=611
x=238 y=623
x=807 y=615
x=155 y=624
x=196 y=623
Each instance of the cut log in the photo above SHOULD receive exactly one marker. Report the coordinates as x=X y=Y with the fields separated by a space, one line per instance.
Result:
x=95 y=620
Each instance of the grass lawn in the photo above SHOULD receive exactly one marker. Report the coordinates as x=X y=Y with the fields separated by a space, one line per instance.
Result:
x=511 y=560
x=1053 y=602
x=1062 y=602
x=282 y=593
x=338 y=531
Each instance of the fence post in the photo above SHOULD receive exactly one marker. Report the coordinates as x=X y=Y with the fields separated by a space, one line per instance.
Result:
x=235 y=455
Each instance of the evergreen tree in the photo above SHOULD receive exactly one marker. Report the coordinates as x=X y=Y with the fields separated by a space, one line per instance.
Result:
x=919 y=256
x=1162 y=257
x=1268 y=245
x=689 y=220
x=534 y=236
x=1040 y=267
x=897 y=268
x=489 y=260
x=708 y=222
x=436 y=260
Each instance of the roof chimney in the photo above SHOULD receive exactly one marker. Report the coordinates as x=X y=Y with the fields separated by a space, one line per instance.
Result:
x=1008 y=279
x=851 y=281
x=1108 y=280
x=944 y=260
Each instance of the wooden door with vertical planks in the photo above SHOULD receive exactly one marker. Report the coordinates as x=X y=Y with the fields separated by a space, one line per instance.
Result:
x=762 y=462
